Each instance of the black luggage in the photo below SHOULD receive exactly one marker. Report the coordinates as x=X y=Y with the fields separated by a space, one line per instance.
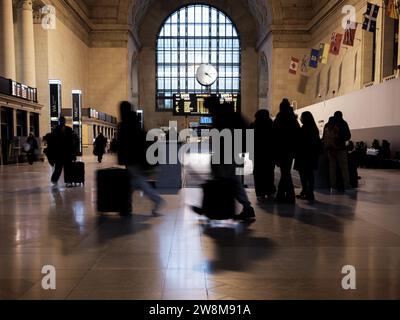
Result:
x=219 y=199
x=114 y=191
x=74 y=173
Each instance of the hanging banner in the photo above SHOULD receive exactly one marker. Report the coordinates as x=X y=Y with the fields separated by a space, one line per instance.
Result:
x=324 y=49
x=294 y=66
x=336 y=42
x=370 y=17
x=393 y=9
x=55 y=102
x=77 y=116
x=304 y=64
x=350 y=34
x=314 y=58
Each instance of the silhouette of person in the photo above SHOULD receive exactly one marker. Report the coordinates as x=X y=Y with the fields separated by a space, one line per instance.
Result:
x=132 y=153
x=309 y=148
x=63 y=143
x=285 y=130
x=336 y=134
x=100 y=147
x=263 y=158
x=33 y=148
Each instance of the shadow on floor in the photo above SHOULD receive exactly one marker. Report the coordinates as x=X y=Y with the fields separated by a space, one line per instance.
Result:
x=319 y=214
x=236 y=248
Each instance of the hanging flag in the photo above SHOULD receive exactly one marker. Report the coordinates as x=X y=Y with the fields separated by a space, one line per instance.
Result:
x=314 y=58
x=294 y=65
x=370 y=17
x=393 y=8
x=350 y=34
x=324 y=49
x=336 y=42
x=304 y=63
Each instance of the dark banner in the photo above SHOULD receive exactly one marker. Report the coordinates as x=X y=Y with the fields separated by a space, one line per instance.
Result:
x=76 y=117
x=55 y=103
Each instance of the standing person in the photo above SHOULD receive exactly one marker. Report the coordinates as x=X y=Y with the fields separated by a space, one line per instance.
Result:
x=263 y=160
x=307 y=156
x=285 y=130
x=33 y=148
x=336 y=134
x=64 y=148
x=100 y=147
x=132 y=153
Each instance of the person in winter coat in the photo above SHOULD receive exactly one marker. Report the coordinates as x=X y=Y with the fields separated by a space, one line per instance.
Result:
x=263 y=159
x=307 y=155
x=285 y=131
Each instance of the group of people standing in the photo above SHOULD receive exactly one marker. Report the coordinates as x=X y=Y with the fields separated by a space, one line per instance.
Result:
x=284 y=142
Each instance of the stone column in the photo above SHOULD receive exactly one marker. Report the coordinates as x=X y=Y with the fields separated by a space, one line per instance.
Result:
x=7 y=48
x=26 y=63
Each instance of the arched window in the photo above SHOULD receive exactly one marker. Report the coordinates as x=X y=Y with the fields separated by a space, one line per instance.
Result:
x=191 y=36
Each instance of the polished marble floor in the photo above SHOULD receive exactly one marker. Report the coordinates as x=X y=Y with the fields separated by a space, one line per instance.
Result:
x=289 y=253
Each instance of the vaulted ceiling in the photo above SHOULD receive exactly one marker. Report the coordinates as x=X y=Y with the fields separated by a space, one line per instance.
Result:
x=281 y=11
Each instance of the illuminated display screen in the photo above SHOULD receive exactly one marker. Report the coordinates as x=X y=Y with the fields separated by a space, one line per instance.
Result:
x=193 y=104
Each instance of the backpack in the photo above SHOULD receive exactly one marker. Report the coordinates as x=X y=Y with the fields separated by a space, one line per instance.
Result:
x=331 y=136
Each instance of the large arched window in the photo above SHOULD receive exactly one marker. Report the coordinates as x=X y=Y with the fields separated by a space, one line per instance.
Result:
x=193 y=35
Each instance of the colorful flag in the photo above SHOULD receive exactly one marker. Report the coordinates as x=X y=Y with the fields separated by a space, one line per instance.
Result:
x=314 y=58
x=370 y=17
x=324 y=49
x=350 y=34
x=294 y=65
x=393 y=8
x=336 y=42
x=304 y=63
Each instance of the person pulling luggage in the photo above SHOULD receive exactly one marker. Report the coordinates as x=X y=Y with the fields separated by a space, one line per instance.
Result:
x=131 y=141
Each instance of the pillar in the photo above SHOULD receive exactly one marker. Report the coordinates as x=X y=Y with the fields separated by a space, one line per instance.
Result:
x=7 y=48
x=26 y=63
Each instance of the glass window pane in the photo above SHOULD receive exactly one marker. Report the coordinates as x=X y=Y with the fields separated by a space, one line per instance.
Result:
x=182 y=84
x=168 y=103
x=160 y=84
x=205 y=57
x=214 y=31
x=198 y=30
x=191 y=14
x=197 y=13
x=174 y=18
x=206 y=13
x=174 y=57
x=222 y=30
x=205 y=30
x=229 y=30
x=167 y=30
x=182 y=16
x=182 y=30
x=182 y=57
x=214 y=15
x=191 y=30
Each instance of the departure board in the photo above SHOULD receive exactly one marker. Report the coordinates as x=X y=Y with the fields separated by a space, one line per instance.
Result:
x=186 y=104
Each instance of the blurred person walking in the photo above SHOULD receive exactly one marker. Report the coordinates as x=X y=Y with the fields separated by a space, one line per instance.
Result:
x=131 y=140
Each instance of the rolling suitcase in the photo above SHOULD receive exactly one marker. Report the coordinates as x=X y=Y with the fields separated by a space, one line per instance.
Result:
x=114 y=191
x=74 y=173
x=219 y=199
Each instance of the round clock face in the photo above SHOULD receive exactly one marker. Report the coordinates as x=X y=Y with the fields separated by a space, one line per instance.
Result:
x=206 y=74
